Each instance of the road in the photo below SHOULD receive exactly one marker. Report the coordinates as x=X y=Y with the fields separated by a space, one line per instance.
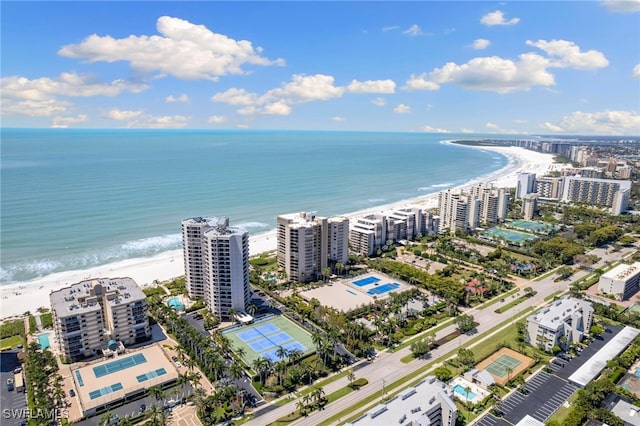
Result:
x=387 y=368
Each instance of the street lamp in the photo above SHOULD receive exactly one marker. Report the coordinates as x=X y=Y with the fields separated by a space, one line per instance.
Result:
x=382 y=395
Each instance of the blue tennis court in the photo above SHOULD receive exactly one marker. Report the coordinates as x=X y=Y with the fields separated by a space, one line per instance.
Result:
x=248 y=335
x=272 y=355
x=151 y=375
x=266 y=329
x=105 y=390
x=119 y=365
x=264 y=337
x=366 y=281
x=385 y=288
x=261 y=345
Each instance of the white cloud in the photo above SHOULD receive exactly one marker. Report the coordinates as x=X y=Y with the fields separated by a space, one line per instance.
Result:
x=497 y=18
x=123 y=115
x=566 y=54
x=67 y=84
x=491 y=125
x=636 y=72
x=420 y=82
x=277 y=108
x=429 y=107
x=138 y=119
x=413 y=30
x=402 y=109
x=622 y=6
x=466 y=130
x=183 y=50
x=431 y=129
x=217 y=119
x=33 y=108
x=380 y=102
x=496 y=74
x=372 y=86
x=520 y=121
x=182 y=98
x=235 y=96
x=64 y=122
x=338 y=119
x=598 y=123
x=307 y=88
x=480 y=43
x=390 y=28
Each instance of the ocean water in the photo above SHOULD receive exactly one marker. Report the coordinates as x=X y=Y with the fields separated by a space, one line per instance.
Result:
x=74 y=199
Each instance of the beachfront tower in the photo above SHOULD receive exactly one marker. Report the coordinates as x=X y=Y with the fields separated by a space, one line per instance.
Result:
x=307 y=244
x=192 y=230
x=526 y=184
x=529 y=206
x=219 y=261
x=99 y=316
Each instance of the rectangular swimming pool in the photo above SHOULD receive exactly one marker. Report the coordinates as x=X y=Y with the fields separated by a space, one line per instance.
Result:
x=366 y=281
x=385 y=288
x=119 y=365
x=463 y=393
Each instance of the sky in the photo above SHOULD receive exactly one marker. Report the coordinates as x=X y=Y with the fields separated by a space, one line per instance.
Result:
x=544 y=67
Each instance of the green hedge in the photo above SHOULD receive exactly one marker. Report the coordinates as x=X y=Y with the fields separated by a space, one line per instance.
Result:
x=12 y=328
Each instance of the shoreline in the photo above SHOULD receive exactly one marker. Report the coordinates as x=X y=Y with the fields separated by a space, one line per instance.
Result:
x=20 y=297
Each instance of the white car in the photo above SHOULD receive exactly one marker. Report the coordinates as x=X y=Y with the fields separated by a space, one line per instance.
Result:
x=178 y=364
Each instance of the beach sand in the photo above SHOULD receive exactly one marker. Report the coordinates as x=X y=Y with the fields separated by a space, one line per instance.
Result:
x=29 y=296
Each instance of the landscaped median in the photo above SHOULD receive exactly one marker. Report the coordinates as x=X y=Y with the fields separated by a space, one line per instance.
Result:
x=416 y=376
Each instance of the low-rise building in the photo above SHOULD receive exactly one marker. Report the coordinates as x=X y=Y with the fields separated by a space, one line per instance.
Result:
x=564 y=322
x=430 y=402
x=621 y=282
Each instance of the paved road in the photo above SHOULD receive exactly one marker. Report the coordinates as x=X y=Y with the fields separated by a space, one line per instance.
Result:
x=388 y=368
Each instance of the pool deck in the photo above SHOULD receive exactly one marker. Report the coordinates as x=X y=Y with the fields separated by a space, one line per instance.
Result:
x=480 y=393
x=156 y=359
x=345 y=296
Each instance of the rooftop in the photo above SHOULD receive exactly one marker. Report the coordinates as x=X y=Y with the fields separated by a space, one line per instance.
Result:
x=410 y=405
x=554 y=315
x=622 y=271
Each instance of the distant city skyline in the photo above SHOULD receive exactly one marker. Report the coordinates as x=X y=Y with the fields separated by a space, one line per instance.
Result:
x=554 y=68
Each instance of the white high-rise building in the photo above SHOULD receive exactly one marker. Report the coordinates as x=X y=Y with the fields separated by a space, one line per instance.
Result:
x=338 y=228
x=525 y=185
x=367 y=234
x=457 y=211
x=97 y=315
x=307 y=244
x=604 y=192
x=217 y=264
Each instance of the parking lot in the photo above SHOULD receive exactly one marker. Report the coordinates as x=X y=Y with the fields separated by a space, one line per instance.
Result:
x=14 y=401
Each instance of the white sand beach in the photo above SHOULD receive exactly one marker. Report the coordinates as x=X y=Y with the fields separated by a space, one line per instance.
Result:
x=29 y=296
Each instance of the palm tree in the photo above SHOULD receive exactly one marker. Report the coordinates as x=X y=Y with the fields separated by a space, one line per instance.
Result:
x=509 y=370
x=351 y=376
x=282 y=352
x=106 y=418
x=301 y=407
x=236 y=371
x=281 y=367
x=252 y=309
x=156 y=392
x=232 y=313
x=326 y=273
x=306 y=398
x=318 y=395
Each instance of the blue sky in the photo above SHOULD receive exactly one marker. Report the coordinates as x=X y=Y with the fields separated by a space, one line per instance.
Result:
x=563 y=67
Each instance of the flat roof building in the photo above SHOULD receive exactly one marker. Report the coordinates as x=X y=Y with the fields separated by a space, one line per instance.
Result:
x=622 y=282
x=124 y=377
x=430 y=403
x=95 y=316
x=603 y=192
x=564 y=322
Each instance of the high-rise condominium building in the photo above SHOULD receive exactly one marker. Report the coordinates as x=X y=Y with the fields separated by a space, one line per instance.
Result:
x=549 y=187
x=529 y=206
x=307 y=244
x=465 y=210
x=603 y=192
x=97 y=315
x=525 y=185
x=367 y=234
x=217 y=264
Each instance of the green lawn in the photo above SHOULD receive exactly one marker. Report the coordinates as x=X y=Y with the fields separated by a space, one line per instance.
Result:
x=10 y=342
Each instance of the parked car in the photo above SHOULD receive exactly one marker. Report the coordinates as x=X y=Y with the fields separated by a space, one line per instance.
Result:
x=72 y=393
x=9 y=384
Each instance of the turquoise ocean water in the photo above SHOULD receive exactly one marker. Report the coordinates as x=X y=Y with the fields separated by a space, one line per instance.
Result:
x=75 y=199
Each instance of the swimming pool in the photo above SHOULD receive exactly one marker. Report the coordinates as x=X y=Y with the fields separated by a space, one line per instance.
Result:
x=469 y=396
x=384 y=288
x=43 y=339
x=79 y=377
x=366 y=281
x=637 y=372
